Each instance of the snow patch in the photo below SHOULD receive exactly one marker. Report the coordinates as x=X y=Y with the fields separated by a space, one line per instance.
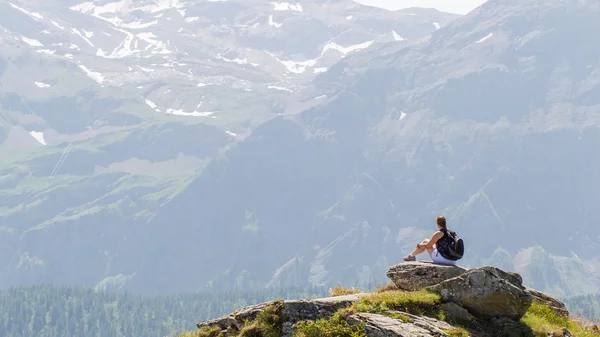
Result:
x=32 y=42
x=146 y=70
x=300 y=67
x=34 y=15
x=436 y=25
x=236 y=60
x=42 y=85
x=194 y=113
x=396 y=36
x=191 y=19
x=321 y=97
x=279 y=88
x=88 y=34
x=485 y=38
x=83 y=37
x=123 y=49
x=150 y=104
x=286 y=6
x=161 y=5
x=273 y=23
x=346 y=50
x=57 y=25
x=295 y=67
x=97 y=11
x=160 y=47
x=200 y=85
x=39 y=136
x=46 y=51
x=402 y=115
x=230 y=133
x=91 y=74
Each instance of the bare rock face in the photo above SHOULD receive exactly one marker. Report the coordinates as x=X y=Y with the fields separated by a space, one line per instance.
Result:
x=383 y=326
x=413 y=276
x=487 y=292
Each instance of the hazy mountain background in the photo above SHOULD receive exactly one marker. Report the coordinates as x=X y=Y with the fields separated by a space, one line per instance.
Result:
x=171 y=146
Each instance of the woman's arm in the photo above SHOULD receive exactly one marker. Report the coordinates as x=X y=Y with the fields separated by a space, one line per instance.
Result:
x=434 y=238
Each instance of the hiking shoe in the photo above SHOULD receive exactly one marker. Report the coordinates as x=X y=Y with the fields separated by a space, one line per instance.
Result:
x=410 y=258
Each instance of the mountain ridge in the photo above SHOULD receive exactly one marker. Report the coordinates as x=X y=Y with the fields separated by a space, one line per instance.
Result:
x=331 y=182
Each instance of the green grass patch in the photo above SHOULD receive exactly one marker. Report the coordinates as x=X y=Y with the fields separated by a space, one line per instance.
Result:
x=543 y=320
x=268 y=323
x=387 y=287
x=335 y=326
x=213 y=331
x=457 y=332
x=341 y=291
x=420 y=302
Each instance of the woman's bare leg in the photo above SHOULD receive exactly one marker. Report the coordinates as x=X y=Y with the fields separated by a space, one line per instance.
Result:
x=418 y=250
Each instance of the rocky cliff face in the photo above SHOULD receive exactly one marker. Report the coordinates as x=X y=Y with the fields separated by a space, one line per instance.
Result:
x=425 y=300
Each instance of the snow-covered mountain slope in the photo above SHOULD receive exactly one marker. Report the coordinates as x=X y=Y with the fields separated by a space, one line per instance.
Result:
x=189 y=58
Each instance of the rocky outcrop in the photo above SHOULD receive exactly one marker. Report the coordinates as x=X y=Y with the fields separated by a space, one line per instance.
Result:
x=559 y=307
x=488 y=300
x=293 y=310
x=487 y=292
x=418 y=275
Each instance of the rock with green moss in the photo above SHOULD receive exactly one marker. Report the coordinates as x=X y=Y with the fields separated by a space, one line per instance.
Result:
x=291 y=310
x=558 y=306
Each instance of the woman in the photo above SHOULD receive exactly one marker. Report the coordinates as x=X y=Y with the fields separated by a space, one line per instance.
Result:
x=432 y=245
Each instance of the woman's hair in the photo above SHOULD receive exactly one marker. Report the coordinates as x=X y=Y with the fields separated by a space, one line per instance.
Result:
x=441 y=221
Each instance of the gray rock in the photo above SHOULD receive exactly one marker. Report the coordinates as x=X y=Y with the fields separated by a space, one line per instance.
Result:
x=487 y=292
x=293 y=310
x=418 y=275
x=382 y=326
x=457 y=312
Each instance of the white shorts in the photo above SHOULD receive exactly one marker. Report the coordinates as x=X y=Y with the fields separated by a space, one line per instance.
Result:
x=439 y=259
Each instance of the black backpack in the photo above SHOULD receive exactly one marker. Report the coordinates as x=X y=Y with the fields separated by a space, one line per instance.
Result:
x=453 y=247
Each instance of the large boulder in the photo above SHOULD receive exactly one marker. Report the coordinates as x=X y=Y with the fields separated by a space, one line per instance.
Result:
x=413 y=276
x=487 y=292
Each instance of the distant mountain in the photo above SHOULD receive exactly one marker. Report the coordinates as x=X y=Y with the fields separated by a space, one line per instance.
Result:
x=245 y=163
x=491 y=121
x=108 y=110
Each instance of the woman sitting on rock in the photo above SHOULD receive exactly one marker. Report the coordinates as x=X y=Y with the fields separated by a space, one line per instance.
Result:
x=438 y=240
